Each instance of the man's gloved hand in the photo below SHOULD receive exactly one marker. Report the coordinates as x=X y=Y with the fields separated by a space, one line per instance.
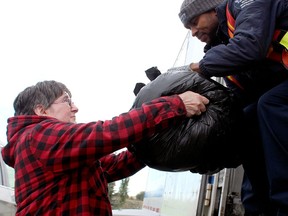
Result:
x=195 y=67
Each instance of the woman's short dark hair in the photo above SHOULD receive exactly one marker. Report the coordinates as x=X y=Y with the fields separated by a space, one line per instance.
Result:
x=43 y=93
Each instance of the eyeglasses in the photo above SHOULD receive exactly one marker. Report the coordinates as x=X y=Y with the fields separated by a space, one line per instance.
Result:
x=66 y=99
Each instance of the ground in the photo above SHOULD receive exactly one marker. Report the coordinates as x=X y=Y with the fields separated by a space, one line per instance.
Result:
x=132 y=203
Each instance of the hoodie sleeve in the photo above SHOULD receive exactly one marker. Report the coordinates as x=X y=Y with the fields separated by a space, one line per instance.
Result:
x=123 y=164
x=60 y=146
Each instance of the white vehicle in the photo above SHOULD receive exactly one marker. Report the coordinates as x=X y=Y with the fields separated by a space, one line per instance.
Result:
x=187 y=194
x=7 y=197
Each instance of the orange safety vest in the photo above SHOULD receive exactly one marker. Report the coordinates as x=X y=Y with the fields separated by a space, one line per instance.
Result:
x=278 y=50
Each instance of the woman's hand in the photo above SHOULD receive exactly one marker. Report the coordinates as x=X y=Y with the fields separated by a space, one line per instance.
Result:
x=194 y=103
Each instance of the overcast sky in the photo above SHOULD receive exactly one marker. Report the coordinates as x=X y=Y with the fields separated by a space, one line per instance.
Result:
x=99 y=49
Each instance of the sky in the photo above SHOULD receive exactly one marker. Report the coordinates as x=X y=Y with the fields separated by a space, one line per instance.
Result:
x=99 y=49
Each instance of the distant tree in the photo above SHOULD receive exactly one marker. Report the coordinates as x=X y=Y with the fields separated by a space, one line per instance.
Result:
x=111 y=189
x=112 y=195
x=123 y=191
x=140 y=196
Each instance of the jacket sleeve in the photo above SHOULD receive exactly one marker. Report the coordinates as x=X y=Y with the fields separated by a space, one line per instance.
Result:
x=254 y=28
x=121 y=165
x=62 y=146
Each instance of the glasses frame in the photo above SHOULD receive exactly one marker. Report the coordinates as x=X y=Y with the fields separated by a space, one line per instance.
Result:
x=65 y=99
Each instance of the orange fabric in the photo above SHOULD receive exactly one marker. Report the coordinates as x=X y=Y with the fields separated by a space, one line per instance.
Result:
x=231 y=29
x=235 y=81
x=230 y=22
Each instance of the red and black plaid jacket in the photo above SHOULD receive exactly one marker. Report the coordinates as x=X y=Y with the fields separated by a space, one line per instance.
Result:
x=64 y=168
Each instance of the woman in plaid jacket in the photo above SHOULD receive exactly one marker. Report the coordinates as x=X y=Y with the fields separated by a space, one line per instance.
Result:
x=63 y=167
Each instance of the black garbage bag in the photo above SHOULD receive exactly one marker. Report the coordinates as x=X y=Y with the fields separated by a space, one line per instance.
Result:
x=203 y=144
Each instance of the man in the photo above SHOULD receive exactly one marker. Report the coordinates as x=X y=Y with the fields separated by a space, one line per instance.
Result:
x=246 y=43
x=63 y=168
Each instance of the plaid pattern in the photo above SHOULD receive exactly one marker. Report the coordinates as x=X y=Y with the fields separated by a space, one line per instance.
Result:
x=63 y=168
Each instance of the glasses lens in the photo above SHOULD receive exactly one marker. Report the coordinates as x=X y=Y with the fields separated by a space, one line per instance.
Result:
x=69 y=102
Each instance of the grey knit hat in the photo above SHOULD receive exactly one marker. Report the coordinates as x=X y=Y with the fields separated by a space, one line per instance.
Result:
x=193 y=8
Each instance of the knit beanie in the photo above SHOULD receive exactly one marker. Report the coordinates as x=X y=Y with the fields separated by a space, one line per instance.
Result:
x=193 y=8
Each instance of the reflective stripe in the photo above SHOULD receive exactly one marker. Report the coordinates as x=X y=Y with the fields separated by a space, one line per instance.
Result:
x=284 y=40
x=235 y=81
x=231 y=29
x=230 y=22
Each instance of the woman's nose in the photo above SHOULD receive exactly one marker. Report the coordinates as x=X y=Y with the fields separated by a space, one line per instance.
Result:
x=74 y=108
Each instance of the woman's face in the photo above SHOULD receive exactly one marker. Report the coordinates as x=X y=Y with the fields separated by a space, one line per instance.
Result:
x=63 y=109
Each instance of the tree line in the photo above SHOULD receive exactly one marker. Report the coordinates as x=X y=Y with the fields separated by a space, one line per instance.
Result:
x=118 y=198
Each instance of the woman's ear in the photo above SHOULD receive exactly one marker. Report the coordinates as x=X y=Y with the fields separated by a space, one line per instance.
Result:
x=40 y=111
